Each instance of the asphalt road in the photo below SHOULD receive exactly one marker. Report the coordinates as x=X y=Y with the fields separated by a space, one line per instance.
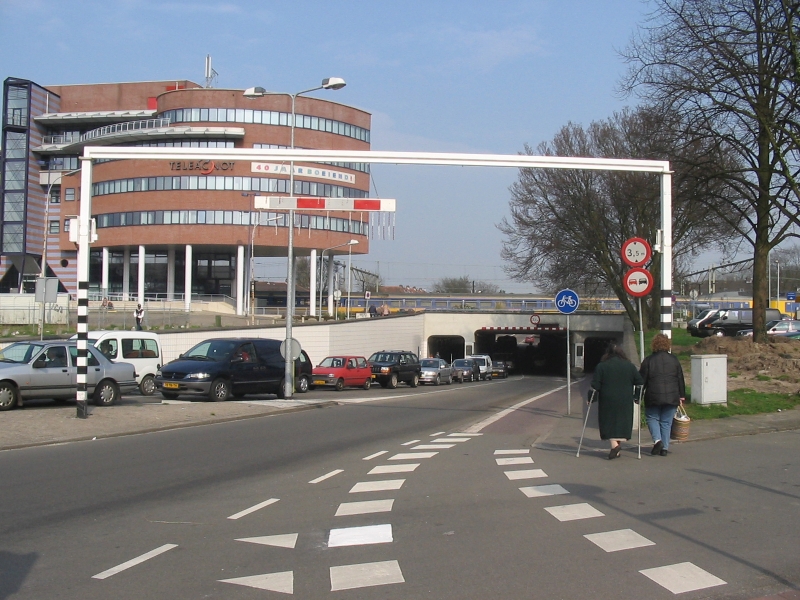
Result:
x=181 y=503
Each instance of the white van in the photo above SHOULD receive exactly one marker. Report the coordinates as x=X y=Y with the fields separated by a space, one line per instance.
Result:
x=484 y=362
x=142 y=349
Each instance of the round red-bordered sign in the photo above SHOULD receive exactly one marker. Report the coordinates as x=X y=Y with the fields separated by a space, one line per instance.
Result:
x=636 y=252
x=535 y=319
x=638 y=282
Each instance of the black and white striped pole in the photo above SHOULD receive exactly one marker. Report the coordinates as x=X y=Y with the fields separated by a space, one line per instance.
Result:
x=84 y=233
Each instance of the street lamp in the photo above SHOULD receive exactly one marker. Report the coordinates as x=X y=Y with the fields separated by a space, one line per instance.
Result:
x=351 y=243
x=331 y=83
x=322 y=262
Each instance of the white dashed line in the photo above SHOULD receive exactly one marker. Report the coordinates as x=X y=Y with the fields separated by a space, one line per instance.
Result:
x=520 y=460
x=622 y=539
x=348 y=577
x=377 y=486
x=463 y=434
x=682 y=577
x=326 y=476
x=412 y=455
x=574 y=512
x=360 y=536
x=385 y=469
x=363 y=508
x=539 y=491
x=433 y=447
x=447 y=440
x=411 y=442
x=526 y=474
x=437 y=433
x=286 y=540
x=274 y=582
x=520 y=451
x=253 y=509
x=134 y=561
x=376 y=455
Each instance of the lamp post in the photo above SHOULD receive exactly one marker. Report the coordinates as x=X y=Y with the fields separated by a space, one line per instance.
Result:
x=351 y=243
x=778 y=286
x=322 y=261
x=331 y=83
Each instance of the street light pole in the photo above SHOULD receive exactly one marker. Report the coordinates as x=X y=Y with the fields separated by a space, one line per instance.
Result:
x=322 y=262
x=351 y=243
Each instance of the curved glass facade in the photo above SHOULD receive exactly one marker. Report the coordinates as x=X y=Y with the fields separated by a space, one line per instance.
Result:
x=264 y=117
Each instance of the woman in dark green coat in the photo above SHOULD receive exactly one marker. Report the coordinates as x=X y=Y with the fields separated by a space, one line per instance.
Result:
x=614 y=379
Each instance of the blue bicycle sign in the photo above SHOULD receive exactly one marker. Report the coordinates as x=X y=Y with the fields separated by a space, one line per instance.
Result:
x=567 y=301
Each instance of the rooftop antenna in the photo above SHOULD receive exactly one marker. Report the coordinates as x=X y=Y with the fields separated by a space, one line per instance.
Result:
x=211 y=74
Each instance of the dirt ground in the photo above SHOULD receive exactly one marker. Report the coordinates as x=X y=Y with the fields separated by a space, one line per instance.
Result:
x=771 y=367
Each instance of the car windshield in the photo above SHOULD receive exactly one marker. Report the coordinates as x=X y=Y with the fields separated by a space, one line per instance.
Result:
x=772 y=324
x=429 y=362
x=383 y=357
x=21 y=352
x=333 y=362
x=461 y=363
x=216 y=350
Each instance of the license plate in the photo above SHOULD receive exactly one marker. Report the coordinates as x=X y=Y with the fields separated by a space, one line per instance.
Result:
x=171 y=386
x=319 y=382
x=374 y=376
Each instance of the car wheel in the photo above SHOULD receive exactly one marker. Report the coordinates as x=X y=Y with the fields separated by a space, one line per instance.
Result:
x=8 y=396
x=368 y=383
x=339 y=385
x=489 y=377
x=302 y=384
x=436 y=381
x=106 y=393
x=281 y=394
x=392 y=383
x=450 y=380
x=148 y=386
x=169 y=395
x=415 y=380
x=220 y=390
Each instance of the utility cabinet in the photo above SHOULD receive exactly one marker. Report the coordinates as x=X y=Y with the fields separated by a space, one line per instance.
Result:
x=709 y=378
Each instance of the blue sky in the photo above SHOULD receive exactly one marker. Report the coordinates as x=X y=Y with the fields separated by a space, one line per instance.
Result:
x=455 y=76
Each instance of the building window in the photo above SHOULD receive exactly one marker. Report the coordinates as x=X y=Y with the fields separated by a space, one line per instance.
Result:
x=12 y=237
x=69 y=194
x=55 y=197
x=53 y=227
x=66 y=224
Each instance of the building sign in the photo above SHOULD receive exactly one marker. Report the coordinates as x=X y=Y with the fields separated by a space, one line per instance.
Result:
x=316 y=172
x=205 y=167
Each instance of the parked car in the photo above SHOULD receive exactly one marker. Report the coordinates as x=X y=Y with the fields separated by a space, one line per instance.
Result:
x=220 y=368
x=776 y=328
x=466 y=369
x=389 y=367
x=484 y=362
x=34 y=370
x=140 y=348
x=499 y=369
x=339 y=372
x=435 y=371
x=697 y=326
x=730 y=321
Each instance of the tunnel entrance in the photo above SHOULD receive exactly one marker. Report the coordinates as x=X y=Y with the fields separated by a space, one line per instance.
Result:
x=593 y=351
x=533 y=352
x=448 y=347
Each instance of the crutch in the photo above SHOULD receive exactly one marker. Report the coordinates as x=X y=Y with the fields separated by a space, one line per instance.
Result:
x=586 y=420
x=639 y=424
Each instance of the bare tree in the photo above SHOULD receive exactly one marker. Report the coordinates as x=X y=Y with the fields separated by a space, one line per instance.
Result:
x=464 y=285
x=730 y=69
x=567 y=227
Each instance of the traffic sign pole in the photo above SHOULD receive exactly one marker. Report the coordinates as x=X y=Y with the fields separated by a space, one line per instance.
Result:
x=569 y=387
x=567 y=302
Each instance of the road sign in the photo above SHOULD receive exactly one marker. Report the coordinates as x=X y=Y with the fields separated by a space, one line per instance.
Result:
x=295 y=349
x=693 y=294
x=791 y=296
x=567 y=301
x=636 y=252
x=638 y=282
x=367 y=295
x=535 y=319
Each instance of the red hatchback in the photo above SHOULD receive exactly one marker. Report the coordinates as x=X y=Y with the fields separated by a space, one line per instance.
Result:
x=340 y=371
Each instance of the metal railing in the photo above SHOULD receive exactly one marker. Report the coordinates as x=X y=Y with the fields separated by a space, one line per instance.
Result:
x=110 y=130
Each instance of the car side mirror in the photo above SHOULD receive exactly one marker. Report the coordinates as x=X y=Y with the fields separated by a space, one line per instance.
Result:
x=237 y=359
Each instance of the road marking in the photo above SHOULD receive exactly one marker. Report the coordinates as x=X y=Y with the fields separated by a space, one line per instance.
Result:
x=384 y=469
x=286 y=540
x=433 y=447
x=465 y=434
x=574 y=512
x=134 y=561
x=282 y=582
x=520 y=451
x=438 y=433
x=521 y=460
x=497 y=416
x=253 y=509
x=411 y=442
x=682 y=577
x=326 y=476
x=526 y=474
x=349 y=577
x=412 y=455
x=360 y=536
x=363 y=508
x=447 y=440
x=376 y=455
x=622 y=539
x=539 y=491
x=377 y=486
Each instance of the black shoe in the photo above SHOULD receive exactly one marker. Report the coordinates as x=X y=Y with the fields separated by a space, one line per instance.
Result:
x=657 y=447
x=614 y=453
x=663 y=452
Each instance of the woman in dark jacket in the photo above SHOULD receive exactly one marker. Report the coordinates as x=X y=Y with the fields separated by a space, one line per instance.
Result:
x=614 y=379
x=664 y=390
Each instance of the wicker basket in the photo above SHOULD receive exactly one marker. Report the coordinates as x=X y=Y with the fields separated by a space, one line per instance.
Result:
x=680 y=426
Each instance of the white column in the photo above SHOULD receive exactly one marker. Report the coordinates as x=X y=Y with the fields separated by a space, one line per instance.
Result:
x=126 y=273
x=104 y=276
x=312 y=307
x=330 y=284
x=239 y=280
x=171 y=273
x=187 y=292
x=140 y=291
x=666 y=254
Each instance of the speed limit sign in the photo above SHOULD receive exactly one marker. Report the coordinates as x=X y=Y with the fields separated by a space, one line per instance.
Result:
x=636 y=252
x=535 y=319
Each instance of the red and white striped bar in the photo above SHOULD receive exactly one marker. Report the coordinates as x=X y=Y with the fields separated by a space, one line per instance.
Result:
x=316 y=203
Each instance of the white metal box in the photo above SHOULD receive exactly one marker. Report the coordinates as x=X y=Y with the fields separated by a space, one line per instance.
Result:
x=709 y=378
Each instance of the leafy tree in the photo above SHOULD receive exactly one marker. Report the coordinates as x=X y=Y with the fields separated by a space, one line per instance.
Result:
x=729 y=68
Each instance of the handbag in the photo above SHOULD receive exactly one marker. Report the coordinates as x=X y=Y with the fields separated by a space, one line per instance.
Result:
x=680 y=425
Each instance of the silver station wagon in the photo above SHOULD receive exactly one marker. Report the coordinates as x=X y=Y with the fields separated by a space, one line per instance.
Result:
x=35 y=370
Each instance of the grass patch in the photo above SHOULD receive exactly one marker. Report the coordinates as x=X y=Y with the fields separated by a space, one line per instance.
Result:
x=744 y=401
x=763 y=378
x=733 y=374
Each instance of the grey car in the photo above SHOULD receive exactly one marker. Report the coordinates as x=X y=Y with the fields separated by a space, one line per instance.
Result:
x=35 y=370
x=435 y=371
